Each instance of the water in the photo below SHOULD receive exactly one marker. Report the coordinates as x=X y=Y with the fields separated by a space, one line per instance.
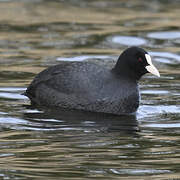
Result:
x=44 y=144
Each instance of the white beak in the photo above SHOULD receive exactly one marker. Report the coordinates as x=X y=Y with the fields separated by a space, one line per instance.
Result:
x=151 y=68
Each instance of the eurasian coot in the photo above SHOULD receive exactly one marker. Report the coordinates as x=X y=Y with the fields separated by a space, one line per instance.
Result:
x=91 y=87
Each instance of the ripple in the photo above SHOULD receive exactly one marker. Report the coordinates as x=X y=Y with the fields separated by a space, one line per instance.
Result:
x=154 y=92
x=32 y=111
x=36 y=125
x=12 y=96
x=163 y=109
x=6 y=155
x=129 y=40
x=11 y=120
x=12 y=89
x=164 y=35
x=3 y=113
x=138 y=171
x=163 y=125
x=12 y=92
x=148 y=110
x=166 y=57
x=82 y=58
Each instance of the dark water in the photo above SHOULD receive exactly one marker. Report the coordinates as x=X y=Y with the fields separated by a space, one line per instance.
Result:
x=44 y=144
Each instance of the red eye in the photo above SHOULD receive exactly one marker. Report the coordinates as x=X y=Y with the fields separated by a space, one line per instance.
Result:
x=140 y=59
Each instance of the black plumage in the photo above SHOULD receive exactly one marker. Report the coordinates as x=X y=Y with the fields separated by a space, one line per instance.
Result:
x=91 y=87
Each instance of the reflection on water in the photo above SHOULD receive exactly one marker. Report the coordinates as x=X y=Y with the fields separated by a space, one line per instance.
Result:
x=164 y=35
x=60 y=144
x=82 y=58
x=96 y=121
x=129 y=41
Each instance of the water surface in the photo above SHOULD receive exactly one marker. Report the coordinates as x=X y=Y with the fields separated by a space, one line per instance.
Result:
x=46 y=144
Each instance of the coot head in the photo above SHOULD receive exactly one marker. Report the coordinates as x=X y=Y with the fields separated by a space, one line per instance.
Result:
x=135 y=62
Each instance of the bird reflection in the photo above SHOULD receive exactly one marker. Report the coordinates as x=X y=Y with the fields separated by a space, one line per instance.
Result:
x=74 y=119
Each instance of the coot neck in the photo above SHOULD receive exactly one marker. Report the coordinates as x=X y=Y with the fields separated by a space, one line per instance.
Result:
x=122 y=71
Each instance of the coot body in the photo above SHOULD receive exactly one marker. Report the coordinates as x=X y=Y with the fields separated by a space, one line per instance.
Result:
x=91 y=87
